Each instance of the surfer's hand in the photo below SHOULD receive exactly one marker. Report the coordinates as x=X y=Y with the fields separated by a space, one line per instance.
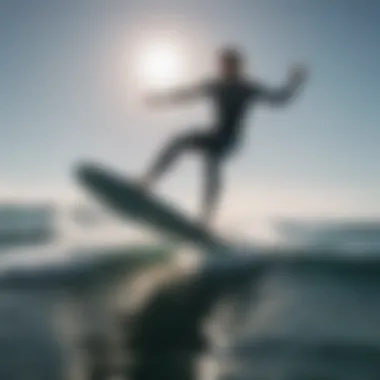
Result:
x=298 y=74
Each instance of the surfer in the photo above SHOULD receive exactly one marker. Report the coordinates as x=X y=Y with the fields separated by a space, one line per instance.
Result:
x=231 y=94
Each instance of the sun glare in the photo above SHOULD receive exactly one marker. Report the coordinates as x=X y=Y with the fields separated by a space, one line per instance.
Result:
x=161 y=64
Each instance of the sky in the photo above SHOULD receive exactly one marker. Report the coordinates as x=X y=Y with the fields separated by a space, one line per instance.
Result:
x=70 y=90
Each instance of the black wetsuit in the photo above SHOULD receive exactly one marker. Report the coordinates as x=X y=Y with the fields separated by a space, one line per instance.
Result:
x=230 y=100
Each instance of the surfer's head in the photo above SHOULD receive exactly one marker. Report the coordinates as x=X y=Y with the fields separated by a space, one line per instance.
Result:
x=230 y=62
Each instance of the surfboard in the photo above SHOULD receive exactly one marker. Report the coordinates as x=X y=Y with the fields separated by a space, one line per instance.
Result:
x=125 y=197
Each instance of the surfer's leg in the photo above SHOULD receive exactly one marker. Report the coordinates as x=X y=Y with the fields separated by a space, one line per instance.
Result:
x=212 y=187
x=217 y=150
x=170 y=154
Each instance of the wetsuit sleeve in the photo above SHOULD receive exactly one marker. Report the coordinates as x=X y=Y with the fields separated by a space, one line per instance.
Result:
x=182 y=94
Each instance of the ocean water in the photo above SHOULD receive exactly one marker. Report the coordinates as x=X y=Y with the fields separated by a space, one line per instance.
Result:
x=312 y=321
x=313 y=316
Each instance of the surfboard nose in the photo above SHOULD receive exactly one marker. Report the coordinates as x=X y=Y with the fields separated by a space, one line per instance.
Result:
x=85 y=172
x=96 y=177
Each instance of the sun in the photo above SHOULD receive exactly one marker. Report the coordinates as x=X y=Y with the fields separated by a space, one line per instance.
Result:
x=161 y=64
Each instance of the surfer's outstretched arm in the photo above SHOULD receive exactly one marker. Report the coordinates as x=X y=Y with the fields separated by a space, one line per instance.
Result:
x=178 y=95
x=284 y=94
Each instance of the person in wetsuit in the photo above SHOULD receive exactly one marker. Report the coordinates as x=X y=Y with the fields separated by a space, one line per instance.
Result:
x=231 y=93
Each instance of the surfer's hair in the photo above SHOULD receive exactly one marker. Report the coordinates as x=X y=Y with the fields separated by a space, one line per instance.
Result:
x=230 y=54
